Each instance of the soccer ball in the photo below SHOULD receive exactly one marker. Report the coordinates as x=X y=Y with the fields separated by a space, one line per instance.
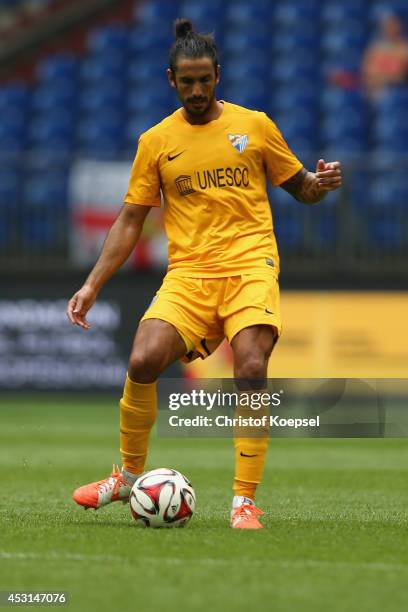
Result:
x=162 y=498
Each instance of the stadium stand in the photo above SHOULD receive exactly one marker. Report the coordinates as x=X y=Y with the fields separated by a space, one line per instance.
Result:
x=277 y=57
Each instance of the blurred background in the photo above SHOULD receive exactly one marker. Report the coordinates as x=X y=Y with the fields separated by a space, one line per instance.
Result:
x=79 y=82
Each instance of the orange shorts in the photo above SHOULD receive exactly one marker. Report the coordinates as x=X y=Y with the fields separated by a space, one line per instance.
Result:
x=206 y=310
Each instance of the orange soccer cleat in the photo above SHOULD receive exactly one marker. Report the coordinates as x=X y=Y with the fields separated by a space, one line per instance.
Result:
x=245 y=516
x=98 y=494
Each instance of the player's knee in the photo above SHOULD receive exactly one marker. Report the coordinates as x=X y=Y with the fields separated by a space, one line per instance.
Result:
x=251 y=367
x=144 y=366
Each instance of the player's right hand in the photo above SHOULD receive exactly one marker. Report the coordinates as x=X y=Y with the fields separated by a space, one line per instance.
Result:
x=79 y=305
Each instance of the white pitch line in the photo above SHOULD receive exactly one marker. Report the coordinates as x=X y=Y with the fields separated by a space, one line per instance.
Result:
x=286 y=564
x=57 y=556
x=302 y=563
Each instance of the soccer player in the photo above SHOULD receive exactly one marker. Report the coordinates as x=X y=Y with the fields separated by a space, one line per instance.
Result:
x=208 y=162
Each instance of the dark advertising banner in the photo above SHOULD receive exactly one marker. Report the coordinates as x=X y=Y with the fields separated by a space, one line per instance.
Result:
x=41 y=350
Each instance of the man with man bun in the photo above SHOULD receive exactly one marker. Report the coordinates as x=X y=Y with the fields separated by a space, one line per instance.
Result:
x=208 y=162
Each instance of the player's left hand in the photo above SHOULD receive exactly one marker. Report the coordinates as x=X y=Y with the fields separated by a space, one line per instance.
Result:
x=328 y=175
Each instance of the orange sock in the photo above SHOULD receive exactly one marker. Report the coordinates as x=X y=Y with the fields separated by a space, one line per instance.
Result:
x=138 y=410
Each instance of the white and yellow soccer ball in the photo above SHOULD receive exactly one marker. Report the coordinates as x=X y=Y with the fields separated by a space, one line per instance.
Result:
x=162 y=498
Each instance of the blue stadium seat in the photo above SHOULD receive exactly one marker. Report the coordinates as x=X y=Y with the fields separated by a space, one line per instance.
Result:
x=200 y=11
x=337 y=100
x=389 y=126
x=10 y=195
x=107 y=124
x=396 y=144
x=257 y=57
x=108 y=39
x=156 y=113
x=381 y=192
x=15 y=96
x=298 y=43
x=377 y=9
x=142 y=69
x=294 y=72
x=156 y=10
x=336 y=41
x=347 y=131
x=102 y=96
x=289 y=14
x=11 y=144
x=104 y=66
x=46 y=190
x=335 y=13
x=40 y=230
x=55 y=127
x=299 y=130
x=349 y=61
x=249 y=14
x=281 y=201
x=13 y=130
x=288 y=219
x=237 y=41
x=238 y=68
x=253 y=95
x=357 y=188
x=102 y=149
x=387 y=232
x=289 y=233
x=154 y=42
x=139 y=123
x=45 y=210
x=290 y=99
x=391 y=130
x=10 y=185
x=58 y=148
x=61 y=67
x=324 y=226
x=49 y=96
x=302 y=119
x=157 y=82
x=6 y=227
x=159 y=95
x=388 y=187
x=101 y=132
x=392 y=100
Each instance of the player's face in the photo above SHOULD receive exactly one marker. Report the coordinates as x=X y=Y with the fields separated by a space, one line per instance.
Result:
x=195 y=81
x=392 y=27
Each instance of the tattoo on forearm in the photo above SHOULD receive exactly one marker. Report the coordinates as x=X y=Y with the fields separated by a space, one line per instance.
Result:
x=303 y=187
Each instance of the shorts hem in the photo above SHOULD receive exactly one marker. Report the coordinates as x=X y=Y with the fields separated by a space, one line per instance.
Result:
x=276 y=324
x=179 y=328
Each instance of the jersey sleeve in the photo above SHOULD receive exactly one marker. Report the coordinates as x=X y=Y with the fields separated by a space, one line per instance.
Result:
x=144 y=182
x=281 y=163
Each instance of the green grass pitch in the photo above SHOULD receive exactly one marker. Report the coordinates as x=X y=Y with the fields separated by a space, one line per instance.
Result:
x=335 y=534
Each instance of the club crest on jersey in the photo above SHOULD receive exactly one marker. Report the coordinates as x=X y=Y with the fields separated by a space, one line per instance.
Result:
x=238 y=141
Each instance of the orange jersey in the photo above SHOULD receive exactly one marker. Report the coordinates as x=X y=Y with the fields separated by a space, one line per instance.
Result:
x=213 y=181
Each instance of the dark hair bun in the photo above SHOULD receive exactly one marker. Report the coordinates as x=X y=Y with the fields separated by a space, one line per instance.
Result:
x=183 y=27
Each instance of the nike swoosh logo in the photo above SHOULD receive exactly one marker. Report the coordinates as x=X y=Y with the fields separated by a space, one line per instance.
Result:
x=268 y=311
x=171 y=157
x=244 y=455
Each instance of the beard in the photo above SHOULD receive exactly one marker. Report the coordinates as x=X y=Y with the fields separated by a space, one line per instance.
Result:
x=199 y=110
